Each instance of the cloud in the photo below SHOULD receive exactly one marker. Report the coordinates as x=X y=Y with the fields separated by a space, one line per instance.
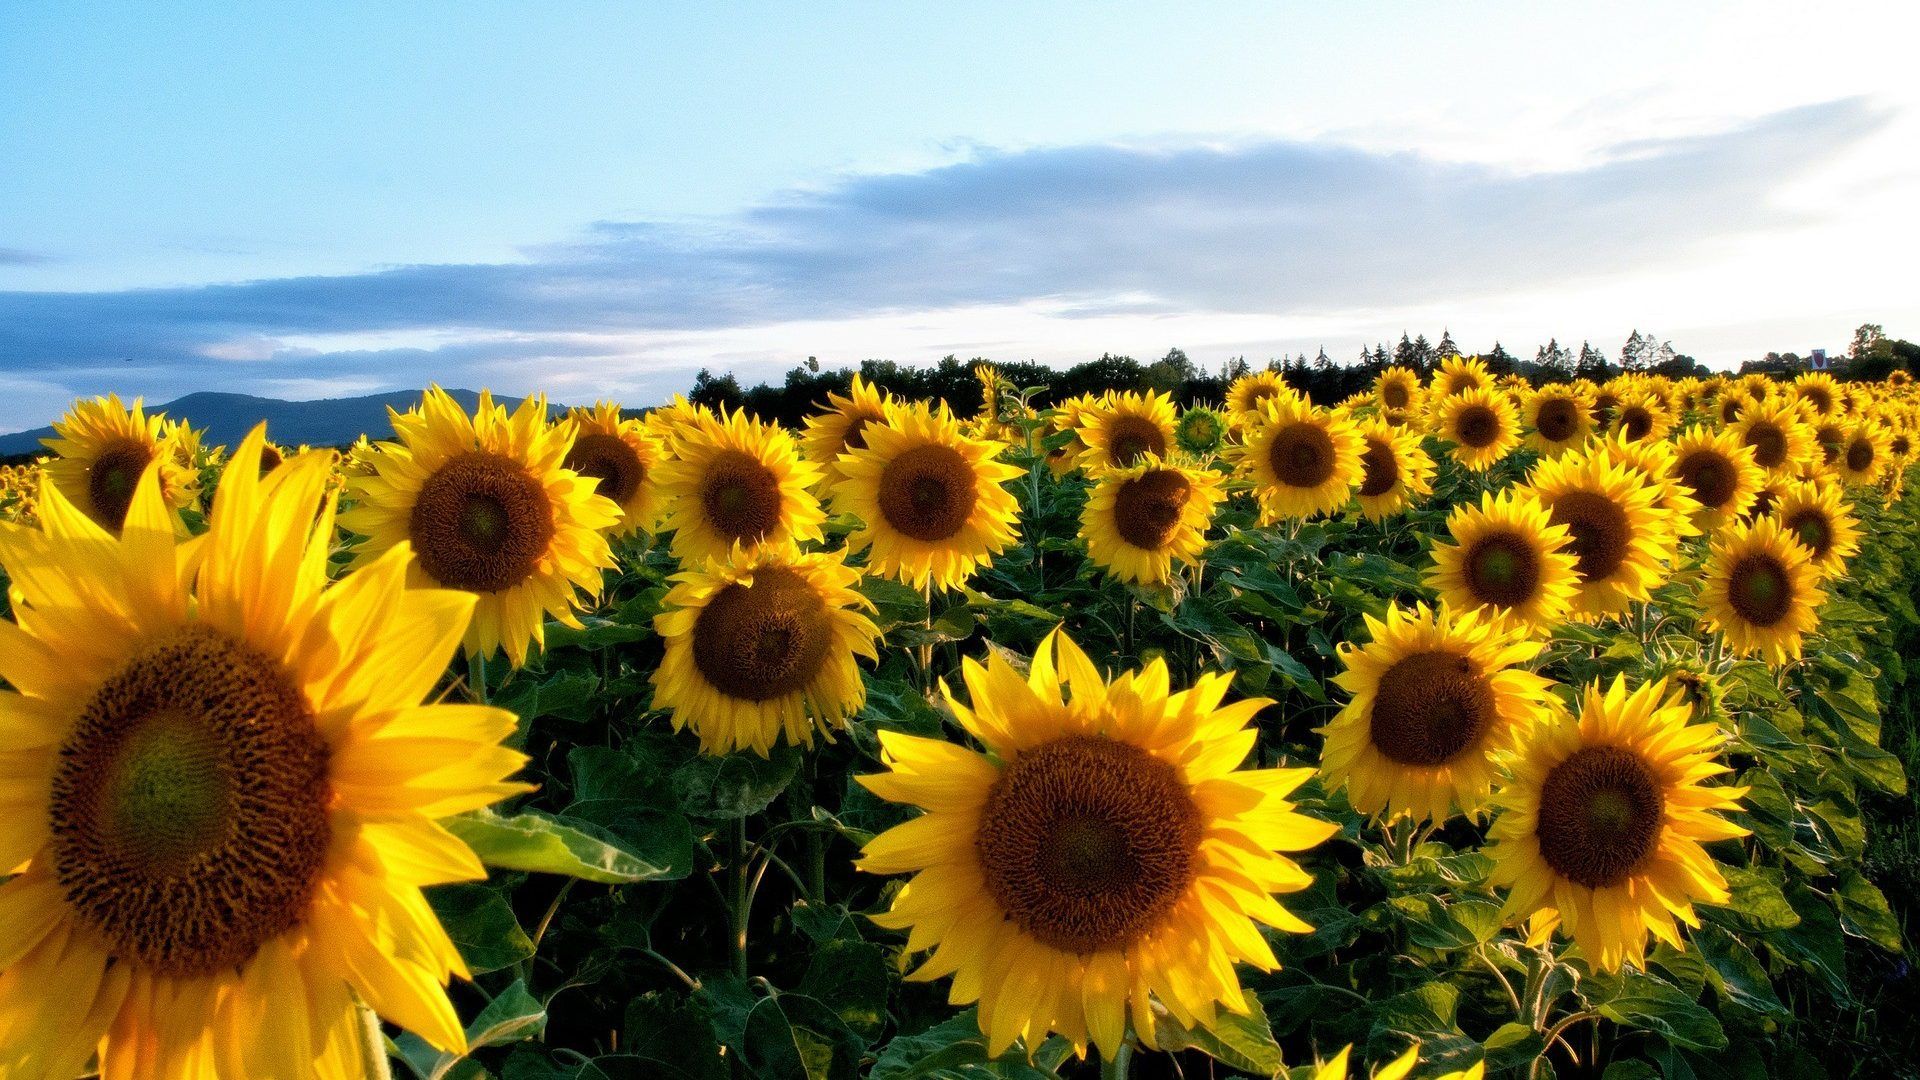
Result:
x=1274 y=227
x=17 y=257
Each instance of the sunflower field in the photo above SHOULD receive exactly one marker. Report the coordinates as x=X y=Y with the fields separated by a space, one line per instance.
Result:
x=1462 y=728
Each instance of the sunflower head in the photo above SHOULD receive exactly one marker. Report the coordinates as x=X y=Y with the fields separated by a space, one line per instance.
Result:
x=1201 y=431
x=1617 y=532
x=1782 y=441
x=1815 y=512
x=1600 y=830
x=623 y=455
x=101 y=448
x=1508 y=556
x=1820 y=393
x=1458 y=374
x=1302 y=459
x=842 y=427
x=1482 y=424
x=1642 y=415
x=1762 y=589
x=1396 y=471
x=1559 y=418
x=1250 y=393
x=1718 y=473
x=1139 y=521
x=1397 y=388
x=1865 y=451
x=1126 y=427
x=734 y=481
x=1102 y=859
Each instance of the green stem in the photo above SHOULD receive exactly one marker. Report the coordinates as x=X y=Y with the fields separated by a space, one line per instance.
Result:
x=373 y=1046
x=738 y=902
x=477 y=676
x=1118 y=1066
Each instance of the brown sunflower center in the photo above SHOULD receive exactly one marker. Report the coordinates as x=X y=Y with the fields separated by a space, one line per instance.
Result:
x=1132 y=438
x=1860 y=455
x=1557 y=420
x=1769 y=442
x=1147 y=508
x=610 y=460
x=270 y=459
x=1301 y=455
x=1430 y=707
x=1394 y=394
x=1901 y=445
x=1381 y=466
x=1759 y=589
x=1636 y=421
x=1711 y=477
x=740 y=497
x=1830 y=438
x=1477 y=426
x=855 y=437
x=1729 y=410
x=1603 y=406
x=1601 y=811
x=1599 y=529
x=1810 y=524
x=1763 y=501
x=112 y=480
x=1087 y=842
x=765 y=640
x=1502 y=569
x=928 y=492
x=188 y=810
x=1818 y=397
x=481 y=523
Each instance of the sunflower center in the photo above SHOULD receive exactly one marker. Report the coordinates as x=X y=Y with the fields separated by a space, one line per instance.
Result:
x=765 y=640
x=1860 y=455
x=1830 y=438
x=1394 y=395
x=270 y=459
x=1603 y=406
x=740 y=497
x=855 y=437
x=1087 y=842
x=1729 y=410
x=1818 y=397
x=1134 y=437
x=1200 y=430
x=1769 y=443
x=1382 y=468
x=1502 y=569
x=1429 y=708
x=1557 y=419
x=1711 y=476
x=113 y=478
x=1810 y=525
x=1636 y=421
x=928 y=492
x=1901 y=445
x=1763 y=501
x=1599 y=529
x=1760 y=590
x=1147 y=508
x=1477 y=426
x=1601 y=811
x=1301 y=455
x=481 y=523
x=188 y=809
x=608 y=459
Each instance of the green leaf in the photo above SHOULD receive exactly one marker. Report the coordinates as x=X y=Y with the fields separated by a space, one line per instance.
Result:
x=1630 y=1070
x=627 y=795
x=1652 y=1004
x=1735 y=973
x=1757 y=904
x=735 y=785
x=513 y=1016
x=1863 y=911
x=1512 y=1046
x=537 y=842
x=851 y=978
x=677 y=1033
x=956 y=1050
x=482 y=926
x=1433 y=924
x=795 y=1037
x=1239 y=1042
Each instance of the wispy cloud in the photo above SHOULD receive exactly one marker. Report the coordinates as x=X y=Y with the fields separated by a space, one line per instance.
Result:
x=1272 y=227
x=18 y=257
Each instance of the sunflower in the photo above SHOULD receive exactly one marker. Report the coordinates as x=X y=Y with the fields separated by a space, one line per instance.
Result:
x=1070 y=416
x=1818 y=391
x=1139 y=521
x=734 y=481
x=1815 y=512
x=1397 y=388
x=1718 y=471
x=1781 y=439
x=1201 y=431
x=1603 y=403
x=222 y=788
x=1865 y=450
x=1302 y=459
x=1558 y=420
x=1765 y=501
x=674 y=419
x=1395 y=470
x=1482 y=424
x=842 y=427
x=1830 y=436
x=1762 y=590
x=101 y=448
x=1126 y=427
x=1600 y=831
x=1458 y=374
x=623 y=455
x=1654 y=465
x=1103 y=859
x=1435 y=697
x=1397 y=1069
x=1618 y=532
x=932 y=499
x=1509 y=556
x=1250 y=393
x=1731 y=405
x=763 y=645
x=1642 y=416
x=488 y=506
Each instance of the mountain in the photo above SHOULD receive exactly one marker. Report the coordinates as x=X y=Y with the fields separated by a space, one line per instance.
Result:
x=227 y=418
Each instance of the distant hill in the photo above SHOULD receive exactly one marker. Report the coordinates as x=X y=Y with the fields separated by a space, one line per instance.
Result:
x=228 y=417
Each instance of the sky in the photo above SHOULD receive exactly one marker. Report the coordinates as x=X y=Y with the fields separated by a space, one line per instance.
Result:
x=323 y=200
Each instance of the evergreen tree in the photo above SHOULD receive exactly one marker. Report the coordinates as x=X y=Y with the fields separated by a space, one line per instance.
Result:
x=1422 y=353
x=1403 y=353
x=1498 y=360
x=1633 y=355
x=1323 y=363
x=1446 y=350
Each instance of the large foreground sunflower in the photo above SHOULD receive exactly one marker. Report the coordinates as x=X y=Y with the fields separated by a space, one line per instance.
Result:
x=734 y=481
x=1617 y=532
x=842 y=427
x=1138 y=522
x=1435 y=697
x=624 y=457
x=1815 y=512
x=931 y=499
x=100 y=449
x=1482 y=424
x=1126 y=427
x=1101 y=861
x=761 y=647
x=1302 y=459
x=1600 y=829
x=1395 y=471
x=488 y=506
x=1762 y=590
x=221 y=790
x=1509 y=556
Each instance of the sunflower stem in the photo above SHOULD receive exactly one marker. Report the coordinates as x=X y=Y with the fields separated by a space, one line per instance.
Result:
x=373 y=1045
x=1121 y=1064
x=739 y=900
x=477 y=676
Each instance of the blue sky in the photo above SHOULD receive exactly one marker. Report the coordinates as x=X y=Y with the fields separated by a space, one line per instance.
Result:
x=316 y=200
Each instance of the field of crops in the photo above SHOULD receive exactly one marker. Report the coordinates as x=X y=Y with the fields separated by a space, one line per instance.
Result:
x=1460 y=728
